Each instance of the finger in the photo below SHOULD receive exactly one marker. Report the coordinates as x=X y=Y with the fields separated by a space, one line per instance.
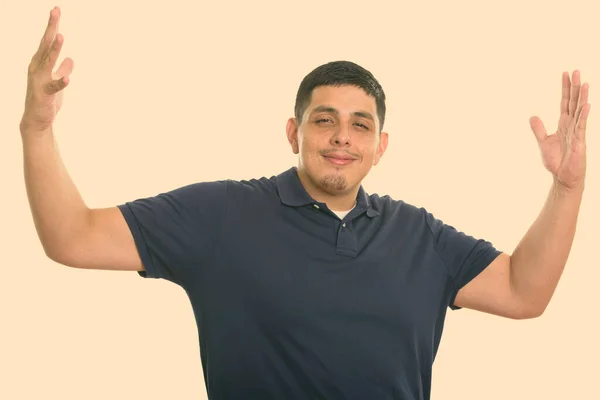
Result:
x=49 y=34
x=583 y=98
x=538 y=128
x=575 y=87
x=582 y=123
x=566 y=92
x=49 y=61
x=56 y=85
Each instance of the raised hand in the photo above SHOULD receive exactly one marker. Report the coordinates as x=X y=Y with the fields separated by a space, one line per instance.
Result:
x=564 y=152
x=45 y=87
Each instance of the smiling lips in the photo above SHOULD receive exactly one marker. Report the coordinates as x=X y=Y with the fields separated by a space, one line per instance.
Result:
x=339 y=158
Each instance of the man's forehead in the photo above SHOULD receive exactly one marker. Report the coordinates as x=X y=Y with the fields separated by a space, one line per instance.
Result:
x=349 y=97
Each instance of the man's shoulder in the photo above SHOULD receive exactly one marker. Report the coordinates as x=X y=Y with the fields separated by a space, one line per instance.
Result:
x=259 y=185
x=412 y=214
x=385 y=203
x=410 y=217
x=231 y=185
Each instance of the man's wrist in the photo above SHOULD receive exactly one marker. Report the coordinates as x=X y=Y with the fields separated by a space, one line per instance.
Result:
x=561 y=190
x=30 y=132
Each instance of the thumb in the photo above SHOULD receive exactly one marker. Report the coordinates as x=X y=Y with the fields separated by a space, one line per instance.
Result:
x=537 y=126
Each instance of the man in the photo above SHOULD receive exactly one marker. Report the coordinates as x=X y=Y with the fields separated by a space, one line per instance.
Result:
x=303 y=286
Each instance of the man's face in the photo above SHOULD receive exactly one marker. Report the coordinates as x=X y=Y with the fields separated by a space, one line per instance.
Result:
x=338 y=139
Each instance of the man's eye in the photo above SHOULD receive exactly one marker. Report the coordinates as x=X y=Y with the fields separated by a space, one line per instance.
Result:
x=327 y=119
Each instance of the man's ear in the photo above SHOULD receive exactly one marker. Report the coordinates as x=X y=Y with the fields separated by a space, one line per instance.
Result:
x=292 y=134
x=383 y=142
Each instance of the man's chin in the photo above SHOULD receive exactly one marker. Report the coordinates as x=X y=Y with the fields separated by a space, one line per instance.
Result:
x=334 y=182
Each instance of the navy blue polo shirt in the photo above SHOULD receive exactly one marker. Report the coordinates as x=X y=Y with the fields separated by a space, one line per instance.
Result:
x=293 y=303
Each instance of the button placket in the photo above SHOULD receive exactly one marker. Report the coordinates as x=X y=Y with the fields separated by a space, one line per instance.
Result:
x=346 y=241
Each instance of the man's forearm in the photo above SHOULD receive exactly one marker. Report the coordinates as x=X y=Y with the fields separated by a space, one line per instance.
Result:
x=539 y=260
x=58 y=210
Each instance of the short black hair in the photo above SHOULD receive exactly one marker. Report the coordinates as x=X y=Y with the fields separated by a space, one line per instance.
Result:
x=339 y=73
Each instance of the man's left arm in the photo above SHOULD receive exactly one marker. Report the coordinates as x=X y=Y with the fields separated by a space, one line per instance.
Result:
x=521 y=285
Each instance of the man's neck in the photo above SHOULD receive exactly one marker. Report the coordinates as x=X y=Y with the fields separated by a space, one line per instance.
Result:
x=343 y=201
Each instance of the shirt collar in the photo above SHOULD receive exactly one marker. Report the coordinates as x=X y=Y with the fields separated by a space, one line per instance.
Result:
x=292 y=192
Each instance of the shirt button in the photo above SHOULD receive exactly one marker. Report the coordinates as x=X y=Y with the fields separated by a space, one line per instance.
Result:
x=344 y=224
x=316 y=206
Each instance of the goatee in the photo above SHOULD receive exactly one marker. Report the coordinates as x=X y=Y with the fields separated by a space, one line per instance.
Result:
x=334 y=183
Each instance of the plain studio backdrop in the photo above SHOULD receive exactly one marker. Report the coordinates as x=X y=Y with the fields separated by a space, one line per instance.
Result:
x=168 y=93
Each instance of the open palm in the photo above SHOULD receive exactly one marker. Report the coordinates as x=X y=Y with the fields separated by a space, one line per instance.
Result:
x=44 y=95
x=564 y=152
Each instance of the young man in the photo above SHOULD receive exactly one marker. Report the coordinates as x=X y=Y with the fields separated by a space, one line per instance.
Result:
x=303 y=285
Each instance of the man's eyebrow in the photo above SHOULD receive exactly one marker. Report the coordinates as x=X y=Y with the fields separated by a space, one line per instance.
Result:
x=362 y=114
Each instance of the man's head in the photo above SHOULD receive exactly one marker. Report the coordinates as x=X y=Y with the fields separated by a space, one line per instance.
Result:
x=339 y=113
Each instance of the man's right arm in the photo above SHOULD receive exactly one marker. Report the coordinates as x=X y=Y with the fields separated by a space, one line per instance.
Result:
x=71 y=233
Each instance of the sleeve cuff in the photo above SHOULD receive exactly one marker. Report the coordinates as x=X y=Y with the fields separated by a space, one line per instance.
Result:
x=138 y=236
x=476 y=270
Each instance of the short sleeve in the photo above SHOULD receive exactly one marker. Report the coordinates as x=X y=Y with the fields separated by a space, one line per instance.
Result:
x=463 y=255
x=175 y=231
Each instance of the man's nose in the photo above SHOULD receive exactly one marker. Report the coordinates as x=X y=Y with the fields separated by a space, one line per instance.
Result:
x=342 y=134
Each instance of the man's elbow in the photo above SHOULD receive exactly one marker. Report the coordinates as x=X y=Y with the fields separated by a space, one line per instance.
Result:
x=54 y=255
x=529 y=312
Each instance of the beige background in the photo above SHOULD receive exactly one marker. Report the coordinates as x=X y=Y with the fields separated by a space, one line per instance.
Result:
x=168 y=93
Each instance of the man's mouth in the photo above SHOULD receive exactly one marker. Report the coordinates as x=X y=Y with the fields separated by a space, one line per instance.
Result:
x=339 y=158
